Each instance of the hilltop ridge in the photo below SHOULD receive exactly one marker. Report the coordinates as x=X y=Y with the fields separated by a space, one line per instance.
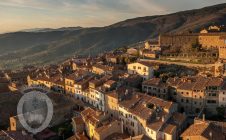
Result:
x=38 y=48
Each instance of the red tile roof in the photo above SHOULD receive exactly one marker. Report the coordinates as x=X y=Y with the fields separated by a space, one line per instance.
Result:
x=203 y=129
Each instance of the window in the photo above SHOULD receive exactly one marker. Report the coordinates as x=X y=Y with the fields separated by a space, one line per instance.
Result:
x=134 y=118
x=187 y=101
x=211 y=101
x=145 y=69
x=212 y=94
x=139 y=68
x=134 y=67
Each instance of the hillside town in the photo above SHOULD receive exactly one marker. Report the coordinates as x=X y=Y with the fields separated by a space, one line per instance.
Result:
x=169 y=88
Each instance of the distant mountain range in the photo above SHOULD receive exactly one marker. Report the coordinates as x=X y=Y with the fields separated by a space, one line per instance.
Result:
x=51 y=30
x=44 y=46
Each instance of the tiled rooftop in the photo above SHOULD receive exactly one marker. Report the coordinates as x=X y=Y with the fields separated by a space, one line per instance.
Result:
x=203 y=129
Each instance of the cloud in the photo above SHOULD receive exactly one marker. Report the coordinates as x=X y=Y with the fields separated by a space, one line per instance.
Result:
x=55 y=13
x=32 y=4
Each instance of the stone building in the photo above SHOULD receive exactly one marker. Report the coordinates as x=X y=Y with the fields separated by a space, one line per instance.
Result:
x=222 y=52
x=113 y=98
x=209 y=40
x=152 y=45
x=205 y=130
x=143 y=114
x=155 y=87
x=72 y=79
x=55 y=83
x=97 y=91
x=108 y=128
x=102 y=69
x=98 y=126
x=144 y=69
x=194 y=94
x=213 y=40
x=222 y=96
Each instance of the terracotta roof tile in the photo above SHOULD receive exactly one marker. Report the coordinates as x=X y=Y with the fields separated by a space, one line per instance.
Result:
x=203 y=129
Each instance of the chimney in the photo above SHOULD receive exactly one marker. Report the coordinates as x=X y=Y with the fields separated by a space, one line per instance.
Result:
x=137 y=96
x=211 y=135
x=122 y=127
x=163 y=119
x=126 y=92
x=203 y=117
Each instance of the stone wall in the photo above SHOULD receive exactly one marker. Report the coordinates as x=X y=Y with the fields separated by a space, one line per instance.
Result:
x=177 y=40
x=211 y=40
x=222 y=52
x=208 y=40
x=216 y=69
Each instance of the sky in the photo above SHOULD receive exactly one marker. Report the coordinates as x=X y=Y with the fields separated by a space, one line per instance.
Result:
x=26 y=14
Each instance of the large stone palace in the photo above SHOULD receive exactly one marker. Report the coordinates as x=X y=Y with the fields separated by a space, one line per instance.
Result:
x=212 y=38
